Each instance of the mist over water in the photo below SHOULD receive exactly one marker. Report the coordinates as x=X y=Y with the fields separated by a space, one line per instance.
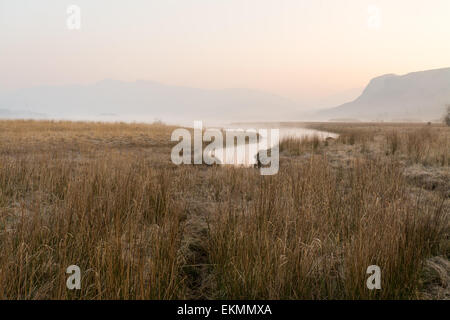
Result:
x=247 y=155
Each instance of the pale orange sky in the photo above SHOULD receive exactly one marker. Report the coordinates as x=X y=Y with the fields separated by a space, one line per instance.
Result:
x=299 y=49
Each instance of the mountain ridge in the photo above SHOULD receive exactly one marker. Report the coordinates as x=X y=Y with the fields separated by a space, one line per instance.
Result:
x=420 y=95
x=149 y=98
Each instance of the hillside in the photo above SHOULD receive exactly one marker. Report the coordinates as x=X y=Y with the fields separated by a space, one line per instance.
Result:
x=417 y=96
x=149 y=100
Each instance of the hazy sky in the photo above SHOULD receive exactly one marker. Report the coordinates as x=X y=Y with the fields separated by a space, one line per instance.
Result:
x=300 y=49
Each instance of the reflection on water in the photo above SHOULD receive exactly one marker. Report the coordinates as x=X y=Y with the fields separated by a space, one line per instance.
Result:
x=248 y=154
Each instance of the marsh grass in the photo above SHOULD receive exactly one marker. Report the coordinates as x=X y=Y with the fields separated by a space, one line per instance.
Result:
x=418 y=143
x=311 y=233
x=112 y=217
x=69 y=197
x=297 y=146
x=106 y=197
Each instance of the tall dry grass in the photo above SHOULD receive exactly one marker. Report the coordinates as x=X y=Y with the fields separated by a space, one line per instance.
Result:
x=311 y=232
x=70 y=194
x=112 y=217
x=426 y=144
x=106 y=197
x=297 y=146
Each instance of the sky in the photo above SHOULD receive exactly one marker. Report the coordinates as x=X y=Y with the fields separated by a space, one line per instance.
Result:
x=303 y=50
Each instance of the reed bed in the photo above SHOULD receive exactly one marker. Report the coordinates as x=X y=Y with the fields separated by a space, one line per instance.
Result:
x=311 y=232
x=106 y=197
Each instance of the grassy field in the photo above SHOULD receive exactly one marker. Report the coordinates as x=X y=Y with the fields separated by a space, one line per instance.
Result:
x=107 y=198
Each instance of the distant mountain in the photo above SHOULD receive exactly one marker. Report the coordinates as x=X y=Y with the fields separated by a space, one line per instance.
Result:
x=417 y=96
x=336 y=99
x=143 y=100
